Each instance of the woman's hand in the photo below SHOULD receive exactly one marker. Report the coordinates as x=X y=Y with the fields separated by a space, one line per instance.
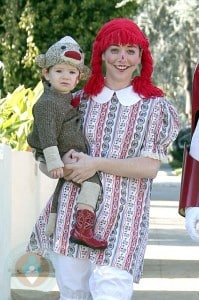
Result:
x=68 y=160
x=82 y=169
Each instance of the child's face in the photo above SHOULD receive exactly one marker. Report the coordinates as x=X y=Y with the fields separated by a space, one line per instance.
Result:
x=63 y=77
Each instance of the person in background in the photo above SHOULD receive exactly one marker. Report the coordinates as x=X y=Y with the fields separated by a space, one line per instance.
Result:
x=129 y=125
x=57 y=130
x=189 y=194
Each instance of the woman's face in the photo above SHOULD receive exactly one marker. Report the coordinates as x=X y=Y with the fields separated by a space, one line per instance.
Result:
x=121 y=62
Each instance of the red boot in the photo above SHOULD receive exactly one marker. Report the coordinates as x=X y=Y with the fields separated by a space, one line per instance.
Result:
x=83 y=233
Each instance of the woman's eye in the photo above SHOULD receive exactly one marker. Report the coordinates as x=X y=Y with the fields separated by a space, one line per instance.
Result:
x=131 y=51
x=114 y=50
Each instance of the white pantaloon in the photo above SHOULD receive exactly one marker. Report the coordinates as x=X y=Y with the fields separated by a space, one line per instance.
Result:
x=79 y=279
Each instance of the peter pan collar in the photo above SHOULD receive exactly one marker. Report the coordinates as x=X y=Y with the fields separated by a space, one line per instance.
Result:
x=126 y=96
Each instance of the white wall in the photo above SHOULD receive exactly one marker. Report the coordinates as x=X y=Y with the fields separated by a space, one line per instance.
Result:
x=30 y=190
x=5 y=218
x=24 y=190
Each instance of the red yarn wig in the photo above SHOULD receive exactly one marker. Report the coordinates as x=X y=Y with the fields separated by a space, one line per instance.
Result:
x=122 y=31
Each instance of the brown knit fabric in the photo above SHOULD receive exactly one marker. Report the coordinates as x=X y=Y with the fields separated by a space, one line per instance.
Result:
x=57 y=123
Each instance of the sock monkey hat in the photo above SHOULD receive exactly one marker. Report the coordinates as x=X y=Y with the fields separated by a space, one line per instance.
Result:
x=66 y=50
x=122 y=31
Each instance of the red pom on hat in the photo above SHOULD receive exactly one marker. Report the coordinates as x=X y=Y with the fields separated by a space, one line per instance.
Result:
x=122 y=31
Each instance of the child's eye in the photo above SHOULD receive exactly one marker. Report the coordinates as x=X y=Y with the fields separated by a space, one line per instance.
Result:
x=58 y=71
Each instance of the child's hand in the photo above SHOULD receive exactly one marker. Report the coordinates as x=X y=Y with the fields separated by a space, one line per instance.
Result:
x=57 y=173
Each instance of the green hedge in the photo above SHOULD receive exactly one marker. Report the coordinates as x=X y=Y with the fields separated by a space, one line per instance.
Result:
x=16 y=116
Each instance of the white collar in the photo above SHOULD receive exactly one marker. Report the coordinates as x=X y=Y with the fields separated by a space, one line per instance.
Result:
x=126 y=96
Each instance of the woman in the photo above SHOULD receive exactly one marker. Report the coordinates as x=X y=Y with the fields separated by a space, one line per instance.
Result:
x=129 y=125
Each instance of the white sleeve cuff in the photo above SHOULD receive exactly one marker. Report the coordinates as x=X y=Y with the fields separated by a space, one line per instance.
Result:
x=53 y=159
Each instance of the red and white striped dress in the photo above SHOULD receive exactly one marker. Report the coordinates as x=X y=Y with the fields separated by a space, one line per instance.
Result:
x=117 y=125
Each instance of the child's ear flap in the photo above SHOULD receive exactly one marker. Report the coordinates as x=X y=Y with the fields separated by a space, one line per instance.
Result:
x=85 y=73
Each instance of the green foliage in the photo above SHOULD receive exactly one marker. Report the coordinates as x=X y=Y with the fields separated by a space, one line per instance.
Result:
x=172 y=27
x=16 y=116
x=17 y=45
x=29 y=27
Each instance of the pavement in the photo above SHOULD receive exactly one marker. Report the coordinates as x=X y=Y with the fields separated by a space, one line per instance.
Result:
x=171 y=269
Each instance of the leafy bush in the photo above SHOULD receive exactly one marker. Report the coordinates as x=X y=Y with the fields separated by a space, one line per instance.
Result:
x=16 y=116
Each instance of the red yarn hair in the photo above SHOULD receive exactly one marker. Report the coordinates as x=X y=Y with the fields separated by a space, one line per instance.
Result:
x=122 y=31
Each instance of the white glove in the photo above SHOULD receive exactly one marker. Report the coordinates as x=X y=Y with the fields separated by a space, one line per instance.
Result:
x=191 y=221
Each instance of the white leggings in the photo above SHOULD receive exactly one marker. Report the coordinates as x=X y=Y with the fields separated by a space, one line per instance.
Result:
x=194 y=147
x=80 y=279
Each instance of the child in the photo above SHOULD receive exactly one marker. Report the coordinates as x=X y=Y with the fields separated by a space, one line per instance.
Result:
x=57 y=129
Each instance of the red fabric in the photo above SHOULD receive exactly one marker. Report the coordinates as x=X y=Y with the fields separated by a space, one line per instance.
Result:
x=189 y=193
x=75 y=101
x=122 y=31
x=195 y=99
x=73 y=54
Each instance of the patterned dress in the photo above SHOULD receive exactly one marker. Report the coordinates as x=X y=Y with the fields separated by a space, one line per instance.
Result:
x=117 y=125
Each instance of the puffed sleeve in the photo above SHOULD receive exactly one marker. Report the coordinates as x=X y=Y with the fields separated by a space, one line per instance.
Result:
x=162 y=129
